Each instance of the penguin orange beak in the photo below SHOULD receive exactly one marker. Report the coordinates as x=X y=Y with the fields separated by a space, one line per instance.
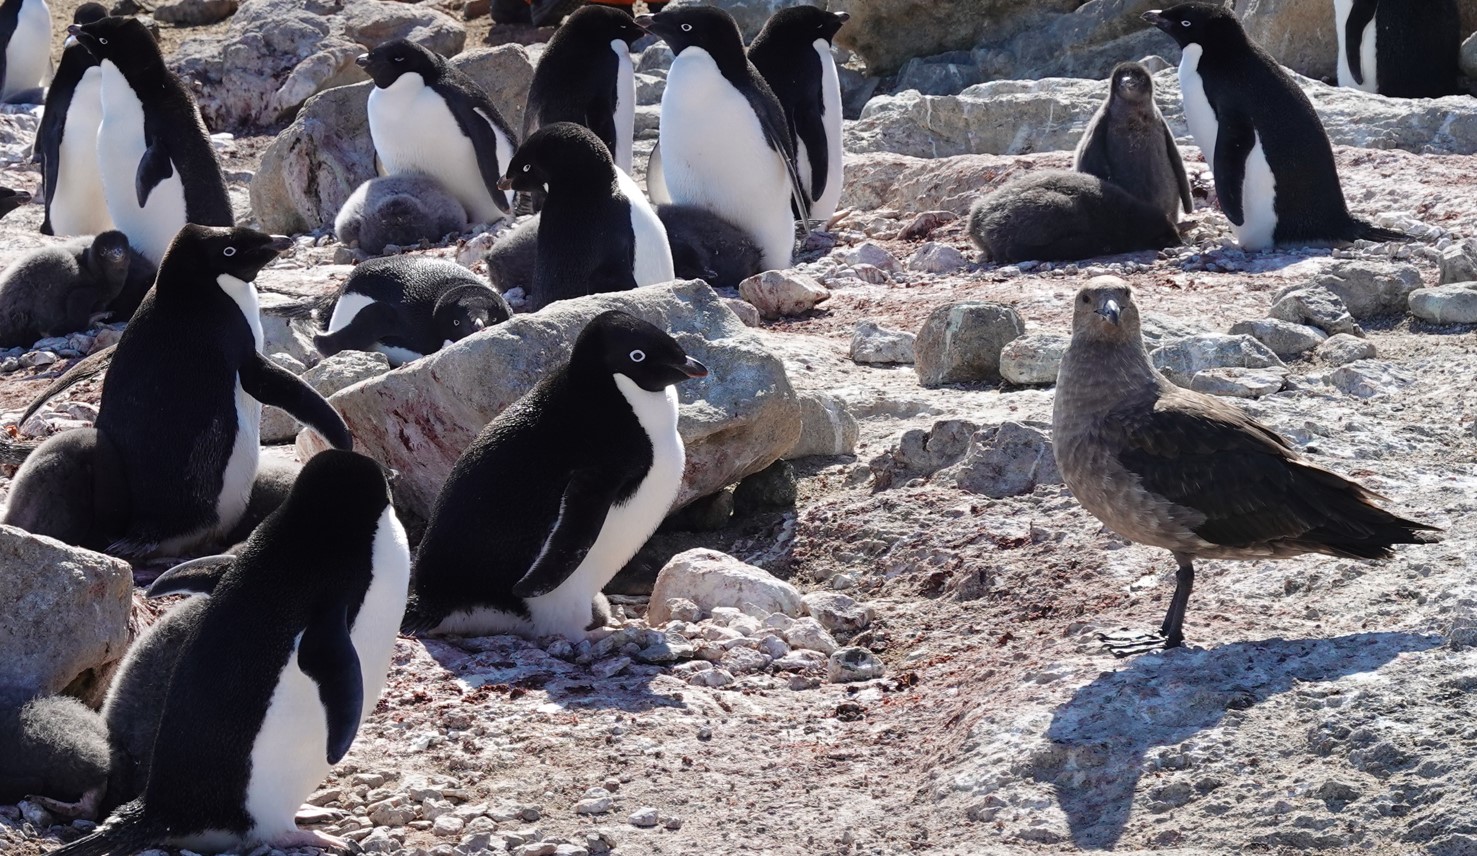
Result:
x=694 y=369
x=505 y=183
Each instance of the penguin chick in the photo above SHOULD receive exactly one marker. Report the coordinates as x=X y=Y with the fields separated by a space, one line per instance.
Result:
x=54 y=291
x=398 y=209
x=56 y=754
x=1051 y=215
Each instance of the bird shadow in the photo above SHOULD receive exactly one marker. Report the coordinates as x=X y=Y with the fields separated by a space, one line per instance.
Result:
x=515 y=666
x=1101 y=737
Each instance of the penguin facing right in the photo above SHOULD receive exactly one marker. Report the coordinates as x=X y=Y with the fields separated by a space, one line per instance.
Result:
x=289 y=656
x=533 y=560
x=1399 y=48
x=1128 y=143
x=793 y=53
x=585 y=75
x=25 y=33
x=66 y=141
x=53 y=291
x=158 y=168
x=1273 y=164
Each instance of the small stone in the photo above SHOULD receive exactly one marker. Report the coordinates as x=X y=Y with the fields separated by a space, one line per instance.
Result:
x=1369 y=288
x=1367 y=378
x=1455 y=303
x=1344 y=349
x=596 y=801
x=1284 y=338
x=1033 y=359
x=961 y=342
x=781 y=294
x=838 y=613
x=874 y=344
x=1459 y=261
x=714 y=581
x=378 y=841
x=712 y=678
x=773 y=488
x=808 y=633
x=1238 y=382
x=672 y=823
x=842 y=582
x=538 y=848
x=937 y=258
x=606 y=669
x=1010 y=459
x=774 y=647
x=742 y=661
x=448 y=825
x=853 y=664
x=35 y=814
x=744 y=310
x=1318 y=307
x=682 y=609
x=869 y=253
x=645 y=818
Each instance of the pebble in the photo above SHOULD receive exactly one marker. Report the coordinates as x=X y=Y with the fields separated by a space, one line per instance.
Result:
x=837 y=612
x=934 y=257
x=778 y=294
x=610 y=668
x=1317 y=306
x=961 y=342
x=853 y=664
x=873 y=344
x=1344 y=349
x=809 y=634
x=1238 y=382
x=1455 y=303
x=645 y=818
x=870 y=253
x=1033 y=359
x=448 y=825
x=596 y=801
x=711 y=678
x=1285 y=338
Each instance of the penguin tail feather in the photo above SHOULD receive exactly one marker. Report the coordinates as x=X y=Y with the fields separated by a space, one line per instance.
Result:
x=1371 y=232
x=417 y=618
x=127 y=831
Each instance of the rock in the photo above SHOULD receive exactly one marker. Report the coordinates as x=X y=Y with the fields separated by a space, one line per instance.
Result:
x=1468 y=59
x=827 y=427
x=1239 y=382
x=1284 y=338
x=772 y=488
x=596 y=801
x=644 y=818
x=1370 y=288
x=285 y=332
x=1300 y=34
x=871 y=253
x=1344 y=349
x=194 y=13
x=310 y=168
x=1454 y=303
x=781 y=294
x=419 y=418
x=1005 y=460
x=1033 y=359
x=887 y=33
x=712 y=579
x=1459 y=261
x=745 y=311
x=334 y=373
x=704 y=514
x=1181 y=359
x=837 y=613
x=937 y=258
x=961 y=342
x=874 y=344
x=937 y=75
x=809 y=635
x=682 y=609
x=749 y=14
x=67 y=617
x=853 y=664
x=1367 y=378
x=658 y=57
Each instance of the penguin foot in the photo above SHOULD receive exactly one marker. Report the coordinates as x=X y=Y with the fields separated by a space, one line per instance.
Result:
x=1126 y=644
x=85 y=808
x=308 y=838
x=310 y=815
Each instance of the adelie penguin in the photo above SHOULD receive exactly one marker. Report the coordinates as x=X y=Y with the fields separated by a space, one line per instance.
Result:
x=427 y=117
x=289 y=657
x=159 y=171
x=533 y=560
x=1056 y=214
x=398 y=209
x=1273 y=164
x=1128 y=143
x=793 y=53
x=174 y=453
x=25 y=32
x=725 y=143
x=596 y=232
x=585 y=76
x=66 y=141
x=56 y=754
x=1400 y=48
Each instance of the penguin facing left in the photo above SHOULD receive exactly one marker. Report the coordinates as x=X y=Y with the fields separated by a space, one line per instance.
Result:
x=289 y=656
x=158 y=168
x=1128 y=143
x=66 y=141
x=596 y=232
x=1399 y=48
x=11 y=199
x=25 y=33
x=533 y=560
x=426 y=116
x=793 y=52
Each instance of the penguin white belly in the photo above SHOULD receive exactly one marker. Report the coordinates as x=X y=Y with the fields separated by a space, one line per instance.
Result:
x=1199 y=115
x=830 y=197
x=625 y=105
x=653 y=263
x=351 y=304
x=1258 y=202
x=714 y=156
x=1367 y=59
x=289 y=757
x=120 y=145
x=28 y=53
x=78 y=206
x=414 y=131
x=241 y=467
x=566 y=609
x=656 y=182
x=378 y=621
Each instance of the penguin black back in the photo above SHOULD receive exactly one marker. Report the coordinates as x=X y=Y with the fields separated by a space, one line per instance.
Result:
x=1417 y=46
x=579 y=78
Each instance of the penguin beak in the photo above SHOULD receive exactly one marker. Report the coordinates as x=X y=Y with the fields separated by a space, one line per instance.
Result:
x=1110 y=312
x=280 y=244
x=843 y=17
x=505 y=183
x=693 y=369
x=479 y=323
x=74 y=29
x=644 y=22
x=362 y=60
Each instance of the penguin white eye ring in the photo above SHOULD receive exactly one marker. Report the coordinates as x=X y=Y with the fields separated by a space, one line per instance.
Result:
x=101 y=40
x=526 y=166
x=1184 y=23
x=228 y=252
x=686 y=28
x=638 y=356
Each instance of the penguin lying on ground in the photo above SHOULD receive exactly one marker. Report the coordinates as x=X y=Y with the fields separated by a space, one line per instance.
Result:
x=58 y=290
x=1128 y=143
x=56 y=754
x=66 y=141
x=511 y=260
x=289 y=656
x=25 y=50
x=1400 y=48
x=533 y=560
x=408 y=306
x=400 y=209
x=1052 y=215
x=430 y=118
x=597 y=232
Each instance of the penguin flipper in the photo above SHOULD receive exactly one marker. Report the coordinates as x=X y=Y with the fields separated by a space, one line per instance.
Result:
x=810 y=130
x=370 y=326
x=582 y=510
x=1177 y=163
x=482 y=123
x=600 y=119
x=269 y=383
x=153 y=168
x=327 y=655
x=1092 y=151
x=197 y=576
x=780 y=138
x=656 y=180
x=1360 y=16
x=1233 y=144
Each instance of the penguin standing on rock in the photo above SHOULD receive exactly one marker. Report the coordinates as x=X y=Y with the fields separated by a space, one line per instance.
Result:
x=1128 y=143
x=596 y=232
x=793 y=53
x=25 y=33
x=289 y=656
x=1273 y=164
x=66 y=141
x=428 y=117
x=532 y=560
x=1400 y=48
x=159 y=171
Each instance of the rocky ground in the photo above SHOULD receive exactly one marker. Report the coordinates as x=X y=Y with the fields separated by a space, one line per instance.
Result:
x=1323 y=704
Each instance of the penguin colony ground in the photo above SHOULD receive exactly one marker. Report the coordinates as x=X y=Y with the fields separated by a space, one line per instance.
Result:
x=263 y=675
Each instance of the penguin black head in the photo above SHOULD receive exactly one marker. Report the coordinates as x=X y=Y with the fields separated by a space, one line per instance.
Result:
x=705 y=28
x=598 y=26
x=1131 y=81
x=555 y=152
x=109 y=255
x=337 y=493
x=1197 y=23
x=469 y=309
x=125 y=42
x=803 y=24
x=623 y=344
x=12 y=199
x=386 y=63
x=211 y=251
x=89 y=12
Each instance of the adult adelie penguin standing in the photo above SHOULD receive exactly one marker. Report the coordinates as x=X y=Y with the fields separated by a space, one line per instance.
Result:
x=1273 y=164
x=427 y=117
x=158 y=169
x=597 y=232
x=793 y=52
x=66 y=141
x=1128 y=143
x=25 y=32
x=533 y=560
x=725 y=144
x=1401 y=48
x=288 y=658
x=585 y=76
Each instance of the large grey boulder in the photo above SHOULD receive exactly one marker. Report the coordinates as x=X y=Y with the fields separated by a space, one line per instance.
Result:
x=310 y=169
x=1370 y=288
x=1181 y=359
x=63 y=615
x=340 y=371
x=888 y=33
x=421 y=417
x=882 y=180
x=961 y=342
x=276 y=53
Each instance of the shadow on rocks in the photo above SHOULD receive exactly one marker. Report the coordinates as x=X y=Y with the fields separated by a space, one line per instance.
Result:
x=1101 y=737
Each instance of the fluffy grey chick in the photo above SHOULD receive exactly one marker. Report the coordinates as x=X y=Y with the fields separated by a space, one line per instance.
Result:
x=1128 y=143
x=55 y=752
x=57 y=290
x=1060 y=215
x=400 y=209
